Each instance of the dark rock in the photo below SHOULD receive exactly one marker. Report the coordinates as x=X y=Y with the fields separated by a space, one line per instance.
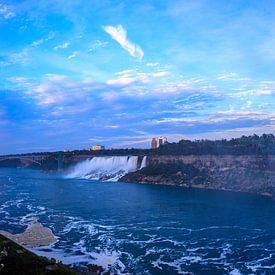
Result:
x=51 y=267
x=253 y=174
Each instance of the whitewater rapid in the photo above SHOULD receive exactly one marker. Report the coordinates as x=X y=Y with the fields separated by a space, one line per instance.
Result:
x=106 y=168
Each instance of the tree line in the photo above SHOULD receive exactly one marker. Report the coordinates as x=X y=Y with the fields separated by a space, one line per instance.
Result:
x=245 y=145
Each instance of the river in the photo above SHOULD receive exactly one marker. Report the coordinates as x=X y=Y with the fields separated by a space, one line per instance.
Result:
x=142 y=229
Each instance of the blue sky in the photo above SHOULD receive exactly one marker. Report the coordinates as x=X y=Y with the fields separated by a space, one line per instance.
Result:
x=116 y=73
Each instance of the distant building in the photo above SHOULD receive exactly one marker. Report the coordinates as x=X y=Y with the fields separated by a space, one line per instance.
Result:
x=158 y=141
x=97 y=147
x=162 y=141
x=154 y=143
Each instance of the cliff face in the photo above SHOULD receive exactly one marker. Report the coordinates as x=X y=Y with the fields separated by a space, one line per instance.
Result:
x=253 y=174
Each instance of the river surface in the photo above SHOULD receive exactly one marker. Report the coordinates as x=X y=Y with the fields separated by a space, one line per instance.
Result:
x=142 y=229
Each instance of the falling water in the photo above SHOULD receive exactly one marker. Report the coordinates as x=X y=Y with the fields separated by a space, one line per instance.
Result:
x=143 y=163
x=106 y=168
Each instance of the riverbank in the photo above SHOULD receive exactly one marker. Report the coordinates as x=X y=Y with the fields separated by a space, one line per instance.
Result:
x=35 y=235
x=15 y=259
x=247 y=174
x=238 y=173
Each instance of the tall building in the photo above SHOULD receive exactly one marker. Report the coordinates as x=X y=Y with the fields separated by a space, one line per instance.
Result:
x=158 y=141
x=154 y=143
x=162 y=140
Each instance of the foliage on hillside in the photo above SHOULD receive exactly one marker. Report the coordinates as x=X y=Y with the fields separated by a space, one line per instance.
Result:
x=245 y=145
x=14 y=259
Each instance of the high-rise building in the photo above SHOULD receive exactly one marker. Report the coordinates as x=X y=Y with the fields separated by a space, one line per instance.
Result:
x=154 y=143
x=158 y=141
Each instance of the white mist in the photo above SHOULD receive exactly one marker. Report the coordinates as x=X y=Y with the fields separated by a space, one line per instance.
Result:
x=106 y=168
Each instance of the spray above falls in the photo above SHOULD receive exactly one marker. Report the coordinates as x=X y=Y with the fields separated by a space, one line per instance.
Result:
x=107 y=168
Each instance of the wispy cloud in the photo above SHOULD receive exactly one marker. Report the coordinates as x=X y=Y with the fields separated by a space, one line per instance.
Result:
x=127 y=77
x=21 y=57
x=18 y=79
x=119 y=34
x=122 y=81
x=73 y=55
x=97 y=45
x=232 y=77
x=6 y=12
x=41 y=41
x=65 y=45
x=152 y=64
x=161 y=74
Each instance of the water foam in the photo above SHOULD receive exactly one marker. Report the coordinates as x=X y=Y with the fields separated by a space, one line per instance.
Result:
x=106 y=168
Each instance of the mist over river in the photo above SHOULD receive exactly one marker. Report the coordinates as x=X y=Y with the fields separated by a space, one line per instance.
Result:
x=142 y=229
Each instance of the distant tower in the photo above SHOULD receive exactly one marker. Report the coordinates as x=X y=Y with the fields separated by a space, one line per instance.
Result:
x=154 y=143
x=159 y=141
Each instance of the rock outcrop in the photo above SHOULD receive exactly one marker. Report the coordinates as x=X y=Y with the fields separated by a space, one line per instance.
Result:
x=253 y=174
x=239 y=173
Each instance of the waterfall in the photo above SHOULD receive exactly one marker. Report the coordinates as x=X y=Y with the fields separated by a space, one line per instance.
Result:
x=143 y=163
x=106 y=168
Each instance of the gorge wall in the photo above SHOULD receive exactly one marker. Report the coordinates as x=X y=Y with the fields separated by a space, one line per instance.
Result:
x=239 y=173
x=253 y=174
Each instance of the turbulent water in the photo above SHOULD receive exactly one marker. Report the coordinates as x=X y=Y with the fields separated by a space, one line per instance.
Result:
x=143 y=229
x=106 y=168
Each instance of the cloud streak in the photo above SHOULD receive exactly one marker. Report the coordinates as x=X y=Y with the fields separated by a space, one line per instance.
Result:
x=6 y=13
x=62 y=46
x=119 y=34
x=41 y=41
x=73 y=55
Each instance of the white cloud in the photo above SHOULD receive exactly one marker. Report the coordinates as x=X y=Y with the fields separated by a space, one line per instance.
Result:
x=97 y=45
x=74 y=54
x=127 y=77
x=264 y=105
x=152 y=64
x=112 y=126
x=119 y=34
x=232 y=77
x=57 y=90
x=5 y=12
x=62 y=46
x=126 y=73
x=43 y=40
x=121 y=81
x=160 y=74
x=109 y=96
x=21 y=57
x=18 y=79
x=233 y=112
x=57 y=78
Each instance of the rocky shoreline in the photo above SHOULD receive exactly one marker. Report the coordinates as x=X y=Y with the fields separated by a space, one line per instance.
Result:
x=15 y=259
x=237 y=173
x=249 y=174
x=14 y=256
x=35 y=235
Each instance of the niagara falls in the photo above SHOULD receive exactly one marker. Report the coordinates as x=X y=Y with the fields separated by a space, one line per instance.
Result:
x=105 y=168
x=137 y=137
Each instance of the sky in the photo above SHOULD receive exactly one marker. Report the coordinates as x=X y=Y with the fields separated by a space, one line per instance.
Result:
x=116 y=73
